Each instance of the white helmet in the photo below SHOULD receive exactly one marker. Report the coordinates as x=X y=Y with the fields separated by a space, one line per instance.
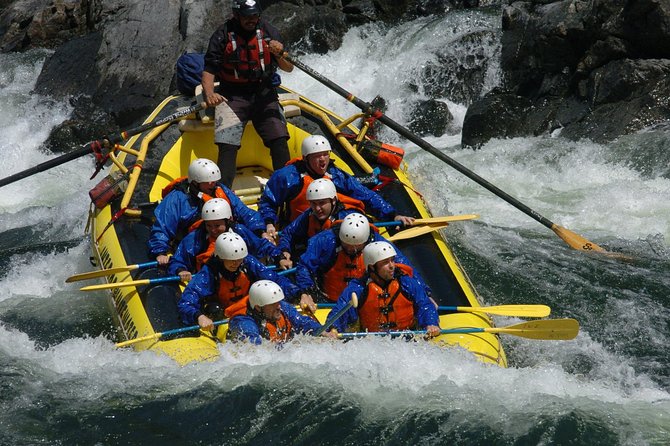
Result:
x=321 y=189
x=355 y=229
x=203 y=170
x=230 y=246
x=376 y=251
x=216 y=209
x=314 y=144
x=264 y=292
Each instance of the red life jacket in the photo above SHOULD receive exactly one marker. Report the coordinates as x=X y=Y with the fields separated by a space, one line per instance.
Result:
x=299 y=203
x=245 y=61
x=279 y=331
x=385 y=309
x=231 y=291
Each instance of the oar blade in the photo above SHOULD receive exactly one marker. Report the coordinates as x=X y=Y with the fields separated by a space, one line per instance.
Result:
x=545 y=329
x=101 y=273
x=416 y=231
x=445 y=219
x=107 y=286
x=576 y=241
x=511 y=310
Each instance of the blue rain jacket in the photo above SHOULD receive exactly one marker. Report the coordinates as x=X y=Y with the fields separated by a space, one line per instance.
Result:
x=286 y=183
x=184 y=258
x=204 y=284
x=424 y=309
x=246 y=328
x=179 y=210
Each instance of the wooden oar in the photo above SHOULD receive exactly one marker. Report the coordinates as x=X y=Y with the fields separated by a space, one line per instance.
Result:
x=97 y=145
x=109 y=271
x=165 y=333
x=499 y=310
x=416 y=231
x=573 y=240
x=154 y=281
x=545 y=329
x=430 y=220
x=329 y=323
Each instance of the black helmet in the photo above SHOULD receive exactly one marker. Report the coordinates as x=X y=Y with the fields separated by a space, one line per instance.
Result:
x=246 y=7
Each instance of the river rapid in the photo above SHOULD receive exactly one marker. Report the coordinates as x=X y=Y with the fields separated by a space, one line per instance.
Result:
x=63 y=382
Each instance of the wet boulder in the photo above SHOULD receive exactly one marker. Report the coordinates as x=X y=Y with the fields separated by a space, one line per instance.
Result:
x=430 y=117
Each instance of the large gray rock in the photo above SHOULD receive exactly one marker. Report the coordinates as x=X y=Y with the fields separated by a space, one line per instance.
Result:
x=594 y=69
x=35 y=23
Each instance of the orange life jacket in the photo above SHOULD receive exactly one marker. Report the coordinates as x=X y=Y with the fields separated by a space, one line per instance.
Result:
x=315 y=226
x=345 y=268
x=385 y=309
x=246 y=61
x=231 y=291
x=182 y=184
x=299 y=204
x=207 y=254
x=238 y=308
x=279 y=331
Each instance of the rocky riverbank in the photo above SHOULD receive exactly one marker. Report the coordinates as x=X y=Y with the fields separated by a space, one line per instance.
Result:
x=592 y=69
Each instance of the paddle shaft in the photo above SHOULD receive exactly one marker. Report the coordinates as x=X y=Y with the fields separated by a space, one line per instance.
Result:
x=545 y=329
x=165 y=333
x=109 y=272
x=366 y=107
x=154 y=281
x=97 y=145
x=429 y=221
x=329 y=323
x=120 y=269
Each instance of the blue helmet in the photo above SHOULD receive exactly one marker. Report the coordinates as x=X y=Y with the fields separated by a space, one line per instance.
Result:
x=246 y=7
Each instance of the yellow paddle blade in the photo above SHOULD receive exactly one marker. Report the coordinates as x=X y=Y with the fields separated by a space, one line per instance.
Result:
x=107 y=286
x=547 y=329
x=576 y=241
x=510 y=310
x=101 y=273
x=416 y=231
x=445 y=219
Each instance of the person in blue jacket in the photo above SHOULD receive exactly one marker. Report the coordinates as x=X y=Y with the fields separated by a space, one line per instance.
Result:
x=284 y=196
x=333 y=258
x=324 y=210
x=198 y=246
x=223 y=281
x=180 y=208
x=389 y=298
x=265 y=315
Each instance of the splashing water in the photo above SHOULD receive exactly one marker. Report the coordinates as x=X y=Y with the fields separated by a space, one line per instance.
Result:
x=63 y=382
